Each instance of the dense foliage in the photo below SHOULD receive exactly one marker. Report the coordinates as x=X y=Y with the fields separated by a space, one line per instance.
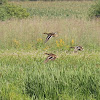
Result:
x=56 y=82
x=12 y=11
x=72 y=76
x=95 y=10
x=24 y=76
x=3 y=1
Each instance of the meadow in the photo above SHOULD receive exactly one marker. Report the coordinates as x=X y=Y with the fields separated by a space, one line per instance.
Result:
x=72 y=76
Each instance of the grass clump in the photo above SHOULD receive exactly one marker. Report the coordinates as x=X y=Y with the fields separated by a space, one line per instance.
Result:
x=3 y=1
x=50 y=12
x=64 y=78
x=95 y=10
x=9 y=11
x=3 y=14
x=11 y=92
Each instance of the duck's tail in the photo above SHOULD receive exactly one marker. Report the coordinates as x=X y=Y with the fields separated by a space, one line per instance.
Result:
x=45 y=33
x=72 y=47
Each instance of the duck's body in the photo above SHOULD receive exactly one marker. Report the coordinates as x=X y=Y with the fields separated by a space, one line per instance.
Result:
x=77 y=48
x=51 y=56
x=49 y=35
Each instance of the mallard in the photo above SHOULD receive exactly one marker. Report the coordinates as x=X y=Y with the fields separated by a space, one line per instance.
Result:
x=51 y=56
x=77 y=48
x=49 y=35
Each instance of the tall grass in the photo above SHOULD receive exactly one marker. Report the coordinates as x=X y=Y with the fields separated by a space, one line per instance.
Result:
x=24 y=74
x=72 y=76
x=28 y=33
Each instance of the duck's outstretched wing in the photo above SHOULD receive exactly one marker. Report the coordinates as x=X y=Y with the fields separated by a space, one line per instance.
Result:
x=48 y=58
x=48 y=37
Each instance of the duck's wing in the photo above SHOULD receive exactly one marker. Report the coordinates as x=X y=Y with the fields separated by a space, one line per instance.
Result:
x=48 y=58
x=48 y=37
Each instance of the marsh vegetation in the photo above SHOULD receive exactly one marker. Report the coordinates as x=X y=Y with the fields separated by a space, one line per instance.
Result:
x=72 y=76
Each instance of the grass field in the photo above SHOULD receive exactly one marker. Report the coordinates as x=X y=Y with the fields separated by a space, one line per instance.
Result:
x=72 y=76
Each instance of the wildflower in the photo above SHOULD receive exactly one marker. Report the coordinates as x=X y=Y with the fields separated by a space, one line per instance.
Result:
x=61 y=42
x=57 y=43
x=47 y=47
x=72 y=41
x=16 y=42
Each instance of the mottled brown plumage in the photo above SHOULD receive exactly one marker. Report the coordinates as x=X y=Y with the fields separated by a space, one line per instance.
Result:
x=49 y=35
x=51 y=56
x=77 y=48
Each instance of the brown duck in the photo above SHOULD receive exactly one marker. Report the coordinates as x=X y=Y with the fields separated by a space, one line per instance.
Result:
x=77 y=48
x=49 y=35
x=51 y=56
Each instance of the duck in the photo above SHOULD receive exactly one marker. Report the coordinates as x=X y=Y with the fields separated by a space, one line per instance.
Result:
x=49 y=35
x=51 y=56
x=77 y=48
